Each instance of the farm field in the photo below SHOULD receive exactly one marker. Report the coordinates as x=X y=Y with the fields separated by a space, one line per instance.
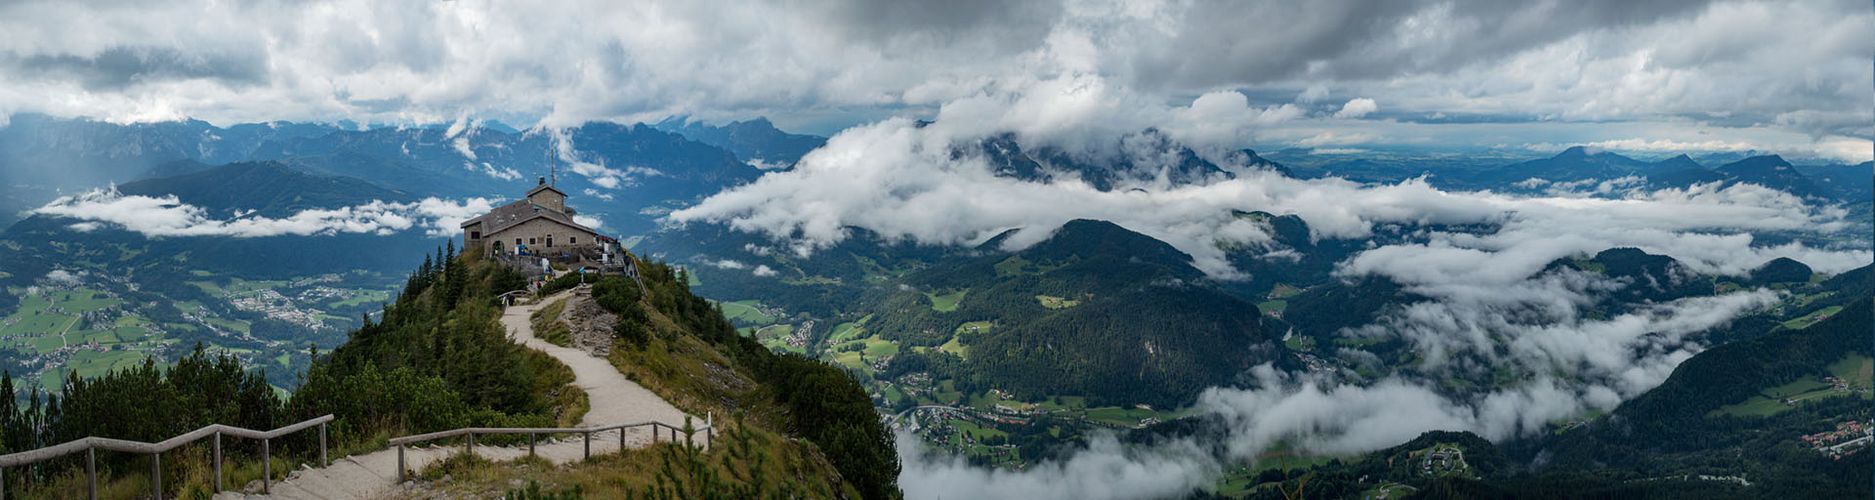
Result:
x=1812 y=318
x=945 y=302
x=1856 y=369
x=1053 y=302
x=746 y=312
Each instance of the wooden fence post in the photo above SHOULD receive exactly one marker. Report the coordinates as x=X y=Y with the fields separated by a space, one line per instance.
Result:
x=218 y=462
x=323 y=462
x=156 y=475
x=266 y=466
x=588 y=443
x=400 y=464
x=91 y=472
x=530 y=444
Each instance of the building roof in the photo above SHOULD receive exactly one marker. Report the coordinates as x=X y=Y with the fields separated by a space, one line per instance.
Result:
x=544 y=187
x=513 y=214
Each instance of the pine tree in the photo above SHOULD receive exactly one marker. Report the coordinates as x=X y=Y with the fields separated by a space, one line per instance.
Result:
x=9 y=413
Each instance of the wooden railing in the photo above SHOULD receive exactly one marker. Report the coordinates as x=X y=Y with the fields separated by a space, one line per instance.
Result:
x=91 y=445
x=468 y=434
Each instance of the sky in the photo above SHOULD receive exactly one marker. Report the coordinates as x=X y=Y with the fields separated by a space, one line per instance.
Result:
x=1670 y=76
x=898 y=86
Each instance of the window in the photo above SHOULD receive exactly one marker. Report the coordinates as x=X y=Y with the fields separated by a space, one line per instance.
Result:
x=517 y=242
x=572 y=240
x=530 y=241
x=549 y=241
x=475 y=235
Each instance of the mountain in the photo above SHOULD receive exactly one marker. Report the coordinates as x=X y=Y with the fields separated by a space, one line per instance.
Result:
x=756 y=140
x=1578 y=163
x=1773 y=172
x=1031 y=322
x=79 y=153
x=1780 y=270
x=98 y=296
x=1734 y=421
x=638 y=171
x=1142 y=158
x=1852 y=182
x=439 y=358
x=269 y=188
x=1293 y=259
x=1715 y=405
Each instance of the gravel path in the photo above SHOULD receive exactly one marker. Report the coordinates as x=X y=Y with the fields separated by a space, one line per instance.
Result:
x=614 y=400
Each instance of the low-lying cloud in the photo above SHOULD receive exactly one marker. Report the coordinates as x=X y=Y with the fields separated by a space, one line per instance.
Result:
x=1480 y=258
x=905 y=181
x=167 y=216
x=1321 y=413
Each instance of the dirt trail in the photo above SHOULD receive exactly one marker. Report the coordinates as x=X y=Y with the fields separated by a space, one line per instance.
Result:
x=614 y=400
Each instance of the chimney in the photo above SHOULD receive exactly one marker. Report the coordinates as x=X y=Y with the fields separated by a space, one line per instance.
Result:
x=543 y=181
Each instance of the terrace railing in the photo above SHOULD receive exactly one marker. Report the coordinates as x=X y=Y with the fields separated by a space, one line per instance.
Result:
x=91 y=445
x=468 y=434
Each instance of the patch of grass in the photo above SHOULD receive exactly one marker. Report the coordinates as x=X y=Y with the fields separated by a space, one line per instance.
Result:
x=690 y=374
x=1810 y=319
x=547 y=324
x=1053 y=302
x=1272 y=306
x=1859 y=370
x=775 y=337
x=747 y=462
x=1124 y=417
x=362 y=297
x=1283 y=291
x=850 y=330
x=748 y=312
x=945 y=302
x=1771 y=401
x=953 y=346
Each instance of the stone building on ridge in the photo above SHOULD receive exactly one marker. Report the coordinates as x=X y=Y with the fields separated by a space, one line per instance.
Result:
x=540 y=224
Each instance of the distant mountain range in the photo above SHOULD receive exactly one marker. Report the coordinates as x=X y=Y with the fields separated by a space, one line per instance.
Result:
x=756 y=140
x=1576 y=164
x=626 y=175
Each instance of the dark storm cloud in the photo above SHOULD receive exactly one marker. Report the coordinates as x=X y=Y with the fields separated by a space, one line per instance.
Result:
x=1221 y=43
x=1762 y=68
x=118 y=67
x=1018 y=25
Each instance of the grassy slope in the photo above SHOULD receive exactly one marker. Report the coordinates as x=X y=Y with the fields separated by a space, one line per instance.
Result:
x=697 y=378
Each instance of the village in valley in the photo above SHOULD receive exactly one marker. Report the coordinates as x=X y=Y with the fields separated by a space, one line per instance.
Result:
x=89 y=322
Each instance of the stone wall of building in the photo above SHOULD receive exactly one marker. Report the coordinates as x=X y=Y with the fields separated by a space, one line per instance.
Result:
x=549 y=199
x=535 y=233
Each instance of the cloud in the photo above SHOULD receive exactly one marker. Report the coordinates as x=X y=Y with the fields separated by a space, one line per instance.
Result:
x=597 y=173
x=1316 y=413
x=1357 y=107
x=1479 y=256
x=905 y=181
x=589 y=221
x=503 y=173
x=763 y=271
x=1104 y=469
x=159 y=217
x=61 y=277
x=834 y=63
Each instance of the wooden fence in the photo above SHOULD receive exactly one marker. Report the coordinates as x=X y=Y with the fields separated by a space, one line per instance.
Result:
x=468 y=434
x=91 y=445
